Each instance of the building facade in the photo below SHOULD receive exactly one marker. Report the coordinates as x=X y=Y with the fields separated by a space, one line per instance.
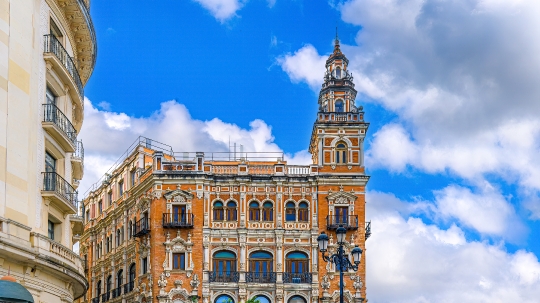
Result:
x=47 y=54
x=226 y=227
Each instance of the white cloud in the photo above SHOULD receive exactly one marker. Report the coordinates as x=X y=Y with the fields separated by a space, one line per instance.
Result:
x=304 y=65
x=106 y=135
x=222 y=9
x=411 y=261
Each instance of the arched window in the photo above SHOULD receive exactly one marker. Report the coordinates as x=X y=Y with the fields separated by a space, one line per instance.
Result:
x=261 y=261
x=132 y=274
x=297 y=299
x=338 y=73
x=339 y=106
x=231 y=211
x=296 y=262
x=108 y=286
x=268 y=211
x=119 y=281
x=341 y=153
x=290 y=212
x=254 y=213
x=262 y=299
x=118 y=237
x=130 y=229
x=218 y=211
x=303 y=212
x=224 y=262
x=224 y=299
x=98 y=288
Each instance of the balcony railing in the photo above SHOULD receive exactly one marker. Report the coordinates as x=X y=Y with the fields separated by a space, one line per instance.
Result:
x=260 y=277
x=128 y=287
x=54 y=183
x=175 y=220
x=141 y=227
x=105 y=297
x=79 y=151
x=117 y=292
x=96 y=300
x=52 y=45
x=53 y=114
x=368 y=229
x=223 y=277
x=348 y=222
x=297 y=278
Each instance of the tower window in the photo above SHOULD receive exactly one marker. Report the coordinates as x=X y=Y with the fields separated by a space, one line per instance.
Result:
x=338 y=73
x=339 y=106
x=341 y=153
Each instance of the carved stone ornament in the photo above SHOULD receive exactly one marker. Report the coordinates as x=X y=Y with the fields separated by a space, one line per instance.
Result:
x=358 y=283
x=156 y=194
x=325 y=283
x=162 y=283
x=342 y=200
x=195 y=282
x=179 y=199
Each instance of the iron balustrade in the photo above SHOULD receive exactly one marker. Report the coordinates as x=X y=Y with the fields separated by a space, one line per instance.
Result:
x=128 y=287
x=53 y=114
x=117 y=292
x=79 y=151
x=95 y=300
x=297 y=278
x=261 y=277
x=176 y=220
x=53 y=46
x=105 y=297
x=54 y=182
x=348 y=222
x=141 y=227
x=223 y=277
x=368 y=229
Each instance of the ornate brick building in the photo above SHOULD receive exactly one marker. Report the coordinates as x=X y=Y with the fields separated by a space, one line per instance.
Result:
x=225 y=227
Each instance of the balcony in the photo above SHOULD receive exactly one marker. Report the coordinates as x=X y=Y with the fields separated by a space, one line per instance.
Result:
x=59 y=127
x=261 y=277
x=128 y=287
x=172 y=220
x=348 y=222
x=55 y=53
x=141 y=227
x=368 y=230
x=77 y=161
x=297 y=278
x=96 y=300
x=117 y=292
x=223 y=277
x=59 y=192
x=105 y=297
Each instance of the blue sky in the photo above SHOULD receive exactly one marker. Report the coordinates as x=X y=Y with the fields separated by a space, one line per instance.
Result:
x=449 y=87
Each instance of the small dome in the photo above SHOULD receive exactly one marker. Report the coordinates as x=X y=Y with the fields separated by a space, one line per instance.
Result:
x=11 y=291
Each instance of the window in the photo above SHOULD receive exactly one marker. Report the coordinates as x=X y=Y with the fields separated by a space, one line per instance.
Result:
x=339 y=106
x=231 y=211
x=87 y=215
x=130 y=229
x=98 y=288
x=261 y=262
x=338 y=73
x=180 y=214
x=118 y=237
x=341 y=153
x=224 y=299
x=120 y=188
x=108 y=285
x=290 y=212
x=131 y=276
x=50 y=96
x=262 y=299
x=50 y=229
x=224 y=262
x=132 y=177
x=120 y=278
x=50 y=163
x=100 y=206
x=297 y=299
x=144 y=265
x=218 y=211
x=303 y=212
x=54 y=30
x=109 y=197
x=268 y=211
x=341 y=215
x=107 y=245
x=254 y=213
x=179 y=261
x=296 y=262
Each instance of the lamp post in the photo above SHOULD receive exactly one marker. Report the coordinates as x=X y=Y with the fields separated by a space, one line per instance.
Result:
x=339 y=259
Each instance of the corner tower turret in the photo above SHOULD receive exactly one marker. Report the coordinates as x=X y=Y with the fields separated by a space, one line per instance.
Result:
x=339 y=131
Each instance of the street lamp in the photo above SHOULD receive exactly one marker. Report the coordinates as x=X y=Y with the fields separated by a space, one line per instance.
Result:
x=339 y=259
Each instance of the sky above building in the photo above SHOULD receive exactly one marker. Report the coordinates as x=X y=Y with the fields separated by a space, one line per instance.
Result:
x=451 y=89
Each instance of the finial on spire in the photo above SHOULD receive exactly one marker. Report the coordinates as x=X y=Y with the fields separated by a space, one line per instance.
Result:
x=337 y=37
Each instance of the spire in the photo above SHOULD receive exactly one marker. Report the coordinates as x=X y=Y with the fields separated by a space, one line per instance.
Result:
x=337 y=50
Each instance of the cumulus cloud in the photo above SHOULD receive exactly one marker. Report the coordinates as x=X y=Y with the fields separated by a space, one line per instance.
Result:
x=222 y=9
x=304 y=65
x=106 y=136
x=411 y=261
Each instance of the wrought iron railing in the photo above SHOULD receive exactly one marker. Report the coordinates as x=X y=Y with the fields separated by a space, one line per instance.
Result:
x=55 y=183
x=53 y=114
x=141 y=227
x=304 y=277
x=79 y=151
x=223 y=277
x=52 y=45
x=261 y=277
x=105 y=297
x=128 y=287
x=95 y=300
x=348 y=222
x=175 y=220
x=117 y=292
x=368 y=229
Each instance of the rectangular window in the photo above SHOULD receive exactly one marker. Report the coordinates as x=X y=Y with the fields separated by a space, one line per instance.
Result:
x=132 y=178
x=51 y=98
x=50 y=163
x=50 y=228
x=120 y=188
x=144 y=265
x=87 y=215
x=100 y=207
x=109 y=197
x=179 y=261
x=54 y=30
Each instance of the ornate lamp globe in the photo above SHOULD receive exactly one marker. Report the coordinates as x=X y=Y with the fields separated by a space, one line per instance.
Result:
x=322 y=239
x=341 y=232
x=356 y=254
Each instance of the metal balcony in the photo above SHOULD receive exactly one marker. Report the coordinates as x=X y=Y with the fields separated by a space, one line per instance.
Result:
x=261 y=277
x=60 y=192
x=59 y=127
x=223 y=277
x=54 y=47
x=105 y=297
x=297 y=278
x=173 y=220
x=77 y=161
x=117 y=292
x=348 y=222
x=141 y=227
x=96 y=300
x=368 y=229
x=128 y=287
